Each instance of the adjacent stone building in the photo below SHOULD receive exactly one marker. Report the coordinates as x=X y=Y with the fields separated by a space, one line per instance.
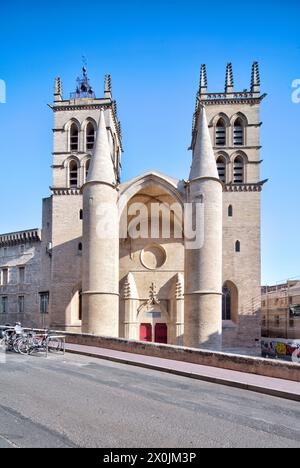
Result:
x=281 y=310
x=150 y=280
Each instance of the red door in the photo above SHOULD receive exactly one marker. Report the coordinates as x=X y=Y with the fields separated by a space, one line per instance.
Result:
x=161 y=333
x=146 y=332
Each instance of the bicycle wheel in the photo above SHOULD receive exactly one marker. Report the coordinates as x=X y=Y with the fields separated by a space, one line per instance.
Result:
x=16 y=345
x=3 y=344
x=23 y=346
x=55 y=345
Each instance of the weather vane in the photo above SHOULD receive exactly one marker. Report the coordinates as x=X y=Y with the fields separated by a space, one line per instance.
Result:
x=84 y=62
x=83 y=88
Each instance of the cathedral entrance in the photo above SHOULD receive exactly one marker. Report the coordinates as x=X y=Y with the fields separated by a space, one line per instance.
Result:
x=160 y=333
x=146 y=332
x=153 y=319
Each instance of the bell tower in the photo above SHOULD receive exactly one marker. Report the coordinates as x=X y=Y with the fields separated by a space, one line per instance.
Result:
x=76 y=120
x=234 y=124
x=203 y=265
x=75 y=128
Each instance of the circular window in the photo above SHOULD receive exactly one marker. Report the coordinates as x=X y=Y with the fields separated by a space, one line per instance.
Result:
x=153 y=256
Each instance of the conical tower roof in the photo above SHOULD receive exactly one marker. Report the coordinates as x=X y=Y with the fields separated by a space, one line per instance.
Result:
x=204 y=162
x=101 y=168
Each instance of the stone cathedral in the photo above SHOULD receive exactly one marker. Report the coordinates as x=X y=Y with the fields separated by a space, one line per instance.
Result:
x=84 y=272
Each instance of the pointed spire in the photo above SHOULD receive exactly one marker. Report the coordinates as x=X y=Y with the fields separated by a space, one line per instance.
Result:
x=129 y=288
x=255 y=79
x=153 y=297
x=58 y=90
x=115 y=109
x=204 y=162
x=107 y=87
x=179 y=288
x=229 y=79
x=101 y=169
x=120 y=130
x=196 y=111
x=203 y=80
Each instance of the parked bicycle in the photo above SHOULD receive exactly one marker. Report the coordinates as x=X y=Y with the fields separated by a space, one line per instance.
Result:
x=46 y=342
x=10 y=336
x=26 y=343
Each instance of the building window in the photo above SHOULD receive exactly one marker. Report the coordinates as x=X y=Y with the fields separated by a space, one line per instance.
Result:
x=221 y=165
x=21 y=304
x=226 y=304
x=74 y=137
x=73 y=174
x=238 y=133
x=4 y=305
x=237 y=246
x=220 y=133
x=44 y=302
x=292 y=323
x=21 y=275
x=238 y=170
x=90 y=137
x=81 y=215
x=87 y=167
x=4 y=276
x=230 y=211
x=80 y=247
x=80 y=306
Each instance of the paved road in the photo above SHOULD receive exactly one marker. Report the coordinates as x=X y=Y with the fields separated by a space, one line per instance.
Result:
x=77 y=401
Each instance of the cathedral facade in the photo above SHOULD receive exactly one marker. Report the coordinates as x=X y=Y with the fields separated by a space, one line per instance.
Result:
x=154 y=258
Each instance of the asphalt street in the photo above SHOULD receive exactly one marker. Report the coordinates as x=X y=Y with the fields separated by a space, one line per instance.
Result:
x=76 y=401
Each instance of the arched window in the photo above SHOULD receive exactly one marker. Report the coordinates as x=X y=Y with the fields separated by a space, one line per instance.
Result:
x=220 y=133
x=74 y=137
x=230 y=303
x=80 y=305
x=221 y=165
x=238 y=170
x=238 y=246
x=238 y=132
x=226 y=304
x=73 y=174
x=87 y=167
x=90 y=137
x=230 y=211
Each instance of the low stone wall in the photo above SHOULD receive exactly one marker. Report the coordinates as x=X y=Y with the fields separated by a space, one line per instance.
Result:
x=252 y=365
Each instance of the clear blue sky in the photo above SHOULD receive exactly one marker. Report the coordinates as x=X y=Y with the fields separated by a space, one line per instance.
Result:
x=153 y=50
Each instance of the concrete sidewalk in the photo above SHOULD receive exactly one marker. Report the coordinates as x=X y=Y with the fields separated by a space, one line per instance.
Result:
x=256 y=383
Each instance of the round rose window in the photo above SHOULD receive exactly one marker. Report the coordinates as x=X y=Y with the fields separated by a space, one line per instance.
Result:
x=153 y=256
